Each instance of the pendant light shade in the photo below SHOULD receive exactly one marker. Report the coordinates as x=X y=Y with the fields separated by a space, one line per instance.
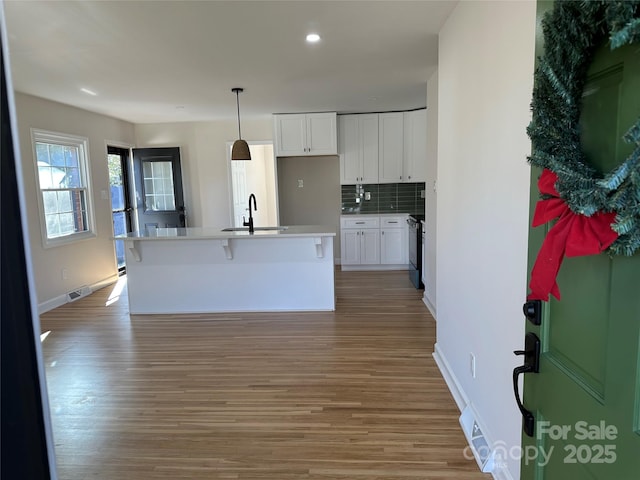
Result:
x=240 y=150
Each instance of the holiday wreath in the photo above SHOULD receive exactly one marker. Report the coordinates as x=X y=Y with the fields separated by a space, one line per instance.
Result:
x=596 y=211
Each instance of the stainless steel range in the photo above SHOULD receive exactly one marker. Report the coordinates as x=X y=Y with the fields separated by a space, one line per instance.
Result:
x=415 y=250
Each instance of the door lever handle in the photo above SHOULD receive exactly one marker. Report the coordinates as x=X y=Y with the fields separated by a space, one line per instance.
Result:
x=531 y=354
x=528 y=420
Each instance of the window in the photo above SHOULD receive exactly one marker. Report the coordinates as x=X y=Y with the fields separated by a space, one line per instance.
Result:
x=158 y=186
x=63 y=179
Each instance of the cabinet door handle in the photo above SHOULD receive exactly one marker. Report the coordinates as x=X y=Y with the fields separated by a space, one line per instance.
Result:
x=359 y=223
x=392 y=221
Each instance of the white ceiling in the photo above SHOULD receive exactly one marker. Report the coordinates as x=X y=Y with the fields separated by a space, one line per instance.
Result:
x=172 y=61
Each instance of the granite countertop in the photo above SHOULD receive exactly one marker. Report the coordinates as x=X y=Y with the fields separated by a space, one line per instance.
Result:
x=199 y=233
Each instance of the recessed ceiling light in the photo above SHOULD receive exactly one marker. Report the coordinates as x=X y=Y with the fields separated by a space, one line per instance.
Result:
x=88 y=92
x=313 y=38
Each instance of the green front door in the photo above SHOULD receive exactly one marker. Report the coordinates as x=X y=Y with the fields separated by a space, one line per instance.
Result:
x=586 y=397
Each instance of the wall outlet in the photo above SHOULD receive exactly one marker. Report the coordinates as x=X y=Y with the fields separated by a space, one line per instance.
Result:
x=300 y=183
x=472 y=365
x=65 y=274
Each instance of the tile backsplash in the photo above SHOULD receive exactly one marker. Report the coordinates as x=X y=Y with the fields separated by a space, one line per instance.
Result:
x=384 y=198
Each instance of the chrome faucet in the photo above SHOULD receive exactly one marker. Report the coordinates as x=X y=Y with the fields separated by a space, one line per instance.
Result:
x=250 y=222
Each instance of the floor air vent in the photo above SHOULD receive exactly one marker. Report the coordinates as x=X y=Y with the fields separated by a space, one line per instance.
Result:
x=478 y=444
x=76 y=294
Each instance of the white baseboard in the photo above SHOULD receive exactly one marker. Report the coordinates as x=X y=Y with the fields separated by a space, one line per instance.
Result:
x=450 y=379
x=52 y=303
x=377 y=267
x=430 y=306
x=60 y=300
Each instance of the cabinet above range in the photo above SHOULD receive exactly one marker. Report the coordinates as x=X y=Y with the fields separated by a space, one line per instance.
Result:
x=382 y=148
x=305 y=134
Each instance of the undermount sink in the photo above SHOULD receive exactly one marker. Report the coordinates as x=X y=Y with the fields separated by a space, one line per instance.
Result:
x=256 y=229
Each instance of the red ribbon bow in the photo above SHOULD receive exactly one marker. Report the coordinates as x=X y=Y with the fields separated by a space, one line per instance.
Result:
x=573 y=235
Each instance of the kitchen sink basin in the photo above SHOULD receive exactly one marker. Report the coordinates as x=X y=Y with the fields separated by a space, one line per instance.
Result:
x=256 y=229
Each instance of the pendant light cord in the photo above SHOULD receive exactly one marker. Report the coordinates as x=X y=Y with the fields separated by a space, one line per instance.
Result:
x=238 y=105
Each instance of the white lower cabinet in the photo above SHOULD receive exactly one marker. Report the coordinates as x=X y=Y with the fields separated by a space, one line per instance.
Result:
x=392 y=246
x=360 y=247
x=360 y=240
x=373 y=240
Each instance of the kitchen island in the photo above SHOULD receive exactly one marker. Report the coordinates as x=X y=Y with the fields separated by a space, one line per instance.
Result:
x=207 y=270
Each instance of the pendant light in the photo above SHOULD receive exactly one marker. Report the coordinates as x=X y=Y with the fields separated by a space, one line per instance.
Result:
x=240 y=150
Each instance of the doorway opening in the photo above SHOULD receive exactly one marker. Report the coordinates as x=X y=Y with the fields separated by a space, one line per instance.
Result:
x=118 y=162
x=257 y=176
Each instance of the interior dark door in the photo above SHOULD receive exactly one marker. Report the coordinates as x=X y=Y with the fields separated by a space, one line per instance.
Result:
x=158 y=185
x=121 y=209
x=586 y=396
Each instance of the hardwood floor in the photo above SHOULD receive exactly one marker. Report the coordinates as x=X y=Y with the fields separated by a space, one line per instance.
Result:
x=353 y=394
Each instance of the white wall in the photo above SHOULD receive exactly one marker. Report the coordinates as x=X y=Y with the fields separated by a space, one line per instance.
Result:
x=486 y=58
x=88 y=262
x=204 y=161
x=431 y=198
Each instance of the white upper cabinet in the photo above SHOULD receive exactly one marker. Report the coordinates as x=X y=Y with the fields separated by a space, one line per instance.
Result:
x=349 y=149
x=358 y=148
x=305 y=134
x=415 y=146
x=322 y=134
x=390 y=147
x=291 y=135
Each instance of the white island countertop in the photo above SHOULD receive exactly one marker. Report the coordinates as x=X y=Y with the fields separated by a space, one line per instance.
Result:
x=208 y=270
x=213 y=233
